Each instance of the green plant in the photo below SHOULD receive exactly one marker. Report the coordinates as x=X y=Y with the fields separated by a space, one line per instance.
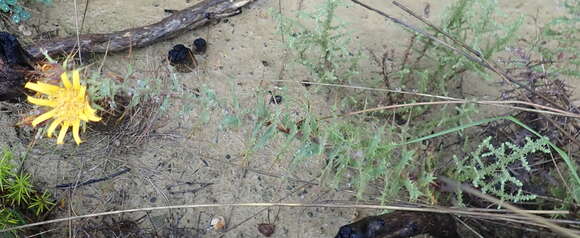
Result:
x=5 y=168
x=161 y=88
x=429 y=68
x=358 y=151
x=488 y=167
x=17 y=11
x=574 y=179
x=20 y=189
x=324 y=48
x=7 y=218
x=558 y=42
x=41 y=203
x=17 y=194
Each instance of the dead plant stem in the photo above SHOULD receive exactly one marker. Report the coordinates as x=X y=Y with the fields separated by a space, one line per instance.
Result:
x=301 y=205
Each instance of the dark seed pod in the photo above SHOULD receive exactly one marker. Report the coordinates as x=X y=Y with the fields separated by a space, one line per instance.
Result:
x=266 y=229
x=181 y=58
x=200 y=45
x=276 y=99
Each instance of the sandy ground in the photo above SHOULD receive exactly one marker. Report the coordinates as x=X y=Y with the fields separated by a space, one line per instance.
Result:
x=201 y=164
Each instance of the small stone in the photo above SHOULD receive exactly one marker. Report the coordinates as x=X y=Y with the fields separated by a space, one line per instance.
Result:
x=218 y=223
x=24 y=30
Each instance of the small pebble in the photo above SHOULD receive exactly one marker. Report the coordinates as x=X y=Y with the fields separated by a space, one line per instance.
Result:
x=218 y=223
x=24 y=30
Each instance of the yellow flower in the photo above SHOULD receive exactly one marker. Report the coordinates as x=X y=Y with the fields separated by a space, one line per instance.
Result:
x=70 y=105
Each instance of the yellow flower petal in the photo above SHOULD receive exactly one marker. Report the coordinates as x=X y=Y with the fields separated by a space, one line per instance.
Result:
x=83 y=116
x=93 y=117
x=91 y=113
x=82 y=92
x=65 y=81
x=75 y=130
x=42 y=102
x=43 y=117
x=53 y=126
x=45 y=88
x=62 y=133
x=76 y=79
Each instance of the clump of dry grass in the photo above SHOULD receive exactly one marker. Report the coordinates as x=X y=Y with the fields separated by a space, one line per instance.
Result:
x=132 y=109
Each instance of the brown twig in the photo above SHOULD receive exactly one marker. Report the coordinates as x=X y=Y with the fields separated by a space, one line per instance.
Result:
x=408 y=51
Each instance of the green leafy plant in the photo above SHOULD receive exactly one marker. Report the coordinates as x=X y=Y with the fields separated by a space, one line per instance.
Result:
x=488 y=167
x=558 y=41
x=323 y=48
x=7 y=219
x=359 y=152
x=20 y=189
x=17 y=194
x=428 y=68
x=161 y=88
x=5 y=168
x=41 y=203
x=16 y=10
x=574 y=179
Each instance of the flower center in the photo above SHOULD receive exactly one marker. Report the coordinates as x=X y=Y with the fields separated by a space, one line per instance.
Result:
x=69 y=105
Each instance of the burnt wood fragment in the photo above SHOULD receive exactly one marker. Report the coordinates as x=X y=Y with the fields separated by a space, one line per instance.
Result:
x=401 y=224
x=15 y=62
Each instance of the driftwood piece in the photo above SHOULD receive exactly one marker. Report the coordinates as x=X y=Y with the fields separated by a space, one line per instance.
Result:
x=187 y=19
x=401 y=224
x=16 y=62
